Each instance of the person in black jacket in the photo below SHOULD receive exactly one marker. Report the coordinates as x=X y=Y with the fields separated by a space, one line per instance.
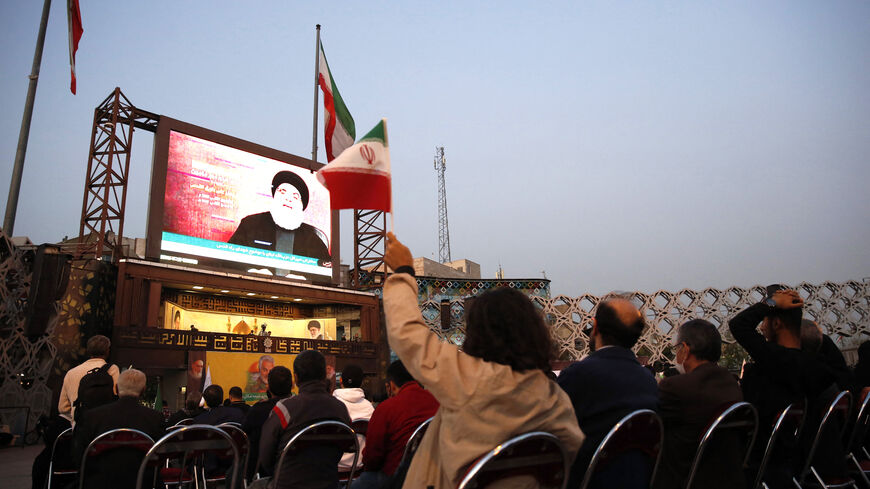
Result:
x=117 y=468
x=316 y=467
x=280 y=385
x=216 y=413
x=783 y=374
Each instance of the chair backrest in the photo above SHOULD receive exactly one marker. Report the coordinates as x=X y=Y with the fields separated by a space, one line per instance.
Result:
x=838 y=411
x=862 y=423
x=62 y=445
x=121 y=438
x=639 y=431
x=740 y=419
x=414 y=442
x=329 y=432
x=187 y=444
x=242 y=444
x=537 y=454
x=786 y=430
x=360 y=426
x=61 y=462
x=185 y=422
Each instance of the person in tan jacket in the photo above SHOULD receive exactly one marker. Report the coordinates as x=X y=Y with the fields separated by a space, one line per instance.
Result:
x=493 y=389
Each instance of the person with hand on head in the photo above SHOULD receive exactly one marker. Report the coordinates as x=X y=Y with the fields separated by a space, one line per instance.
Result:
x=492 y=389
x=781 y=373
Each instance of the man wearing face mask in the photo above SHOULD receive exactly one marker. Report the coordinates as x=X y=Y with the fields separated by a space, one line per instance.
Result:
x=281 y=228
x=687 y=404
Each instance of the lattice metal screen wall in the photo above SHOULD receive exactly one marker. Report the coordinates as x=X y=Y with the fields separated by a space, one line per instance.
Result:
x=33 y=357
x=31 y=366
x=843 y=310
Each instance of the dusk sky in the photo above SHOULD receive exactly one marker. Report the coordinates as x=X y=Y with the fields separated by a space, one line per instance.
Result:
x=610 y=145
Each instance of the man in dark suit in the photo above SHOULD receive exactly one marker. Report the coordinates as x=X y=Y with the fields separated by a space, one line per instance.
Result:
x=607 y=385
x=119 y=467
x=688 y=403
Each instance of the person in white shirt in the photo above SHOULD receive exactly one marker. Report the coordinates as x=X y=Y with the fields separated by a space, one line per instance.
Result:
x=358 y=408
x=97 y=350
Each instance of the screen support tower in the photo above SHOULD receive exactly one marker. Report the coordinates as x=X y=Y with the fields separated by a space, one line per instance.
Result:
x=443 y=230
x=102 y=223
x=370 y=237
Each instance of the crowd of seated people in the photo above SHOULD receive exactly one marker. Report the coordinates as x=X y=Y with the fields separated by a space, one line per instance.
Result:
x=499 y=385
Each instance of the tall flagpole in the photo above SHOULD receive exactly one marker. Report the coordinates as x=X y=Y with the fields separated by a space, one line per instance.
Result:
x=316 y=81
x=24 y=134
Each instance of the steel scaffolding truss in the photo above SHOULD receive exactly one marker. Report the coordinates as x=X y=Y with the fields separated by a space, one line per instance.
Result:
x=105 y=196
x=370 y=234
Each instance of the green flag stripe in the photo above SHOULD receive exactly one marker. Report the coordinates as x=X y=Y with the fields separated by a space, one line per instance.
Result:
x=378 y=133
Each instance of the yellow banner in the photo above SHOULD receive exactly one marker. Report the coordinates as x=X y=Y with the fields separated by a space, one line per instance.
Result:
x=250 y=371
x=176 y=317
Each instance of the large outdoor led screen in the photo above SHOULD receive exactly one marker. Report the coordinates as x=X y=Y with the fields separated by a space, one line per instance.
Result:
x=231 y=206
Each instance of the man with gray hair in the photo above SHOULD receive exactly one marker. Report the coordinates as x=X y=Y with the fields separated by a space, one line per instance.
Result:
x=117 y=468
x=687 y=404
x=815 y=341
x=97 y=350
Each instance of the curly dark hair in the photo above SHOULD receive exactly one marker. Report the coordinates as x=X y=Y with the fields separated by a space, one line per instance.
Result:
x=504 y=327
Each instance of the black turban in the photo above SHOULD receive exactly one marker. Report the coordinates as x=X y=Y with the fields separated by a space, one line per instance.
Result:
x=292 y=179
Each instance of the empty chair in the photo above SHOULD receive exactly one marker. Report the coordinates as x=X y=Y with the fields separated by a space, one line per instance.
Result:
x=784 y=437
x=186 y=447
x=113 y=458
x=733 y=429
x=320 y=440
x=360 y=426
x=241 y=440
x=62 y=466
x=638 y=434
x=830 y=431
x=537 y=454
x=858 y=455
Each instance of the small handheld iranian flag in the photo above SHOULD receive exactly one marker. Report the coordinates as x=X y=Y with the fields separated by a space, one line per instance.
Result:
x=339 y=131
x=359 y=178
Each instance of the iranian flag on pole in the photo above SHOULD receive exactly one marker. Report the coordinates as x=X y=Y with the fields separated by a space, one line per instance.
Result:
x=74 y=19
x=339 y=131
x=359 y=178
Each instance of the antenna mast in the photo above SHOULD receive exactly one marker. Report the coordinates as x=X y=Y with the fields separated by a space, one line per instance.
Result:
x=443 y=231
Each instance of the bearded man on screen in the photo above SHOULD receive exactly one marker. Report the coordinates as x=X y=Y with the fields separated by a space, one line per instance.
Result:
x=281 y=228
